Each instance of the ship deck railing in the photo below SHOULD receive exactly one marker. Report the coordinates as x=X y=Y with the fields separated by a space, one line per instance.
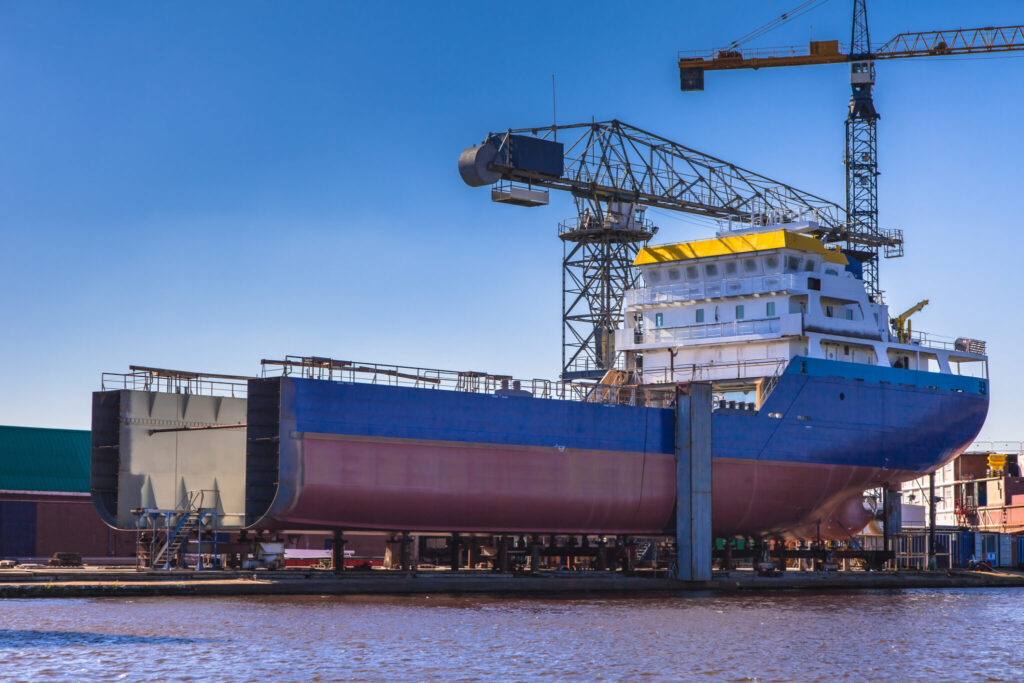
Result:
x=966 y=345
x=666 y=294
x=655 y=387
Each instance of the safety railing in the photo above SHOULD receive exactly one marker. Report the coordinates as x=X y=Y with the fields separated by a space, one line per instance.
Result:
x=673 y=335
x=314 y=367
x=175 y=383
x=664 y=294
x=761 y=368
x=960 y=344
x=1007 y=447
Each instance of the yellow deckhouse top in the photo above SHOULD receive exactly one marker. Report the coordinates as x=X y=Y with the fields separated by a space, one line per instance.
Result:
x=737 y=244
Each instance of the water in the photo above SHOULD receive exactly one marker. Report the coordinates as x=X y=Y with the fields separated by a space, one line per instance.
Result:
x=969 y=634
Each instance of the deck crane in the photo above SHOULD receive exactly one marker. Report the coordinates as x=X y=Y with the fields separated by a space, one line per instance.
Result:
x=615 y=171
x=863 y=237
x=901 y=323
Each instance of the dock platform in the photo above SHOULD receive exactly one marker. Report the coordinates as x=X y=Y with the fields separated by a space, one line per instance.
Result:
x=101 y=582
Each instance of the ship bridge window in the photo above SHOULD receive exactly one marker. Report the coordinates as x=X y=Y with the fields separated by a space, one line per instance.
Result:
x=810 y=265
x=692 y=273
x=673 y=273
x=793 y=264
x=731 y=268
x=771 y=263
x=653 y=276
x=711 y=271
x=750 y=265
x=831 y=271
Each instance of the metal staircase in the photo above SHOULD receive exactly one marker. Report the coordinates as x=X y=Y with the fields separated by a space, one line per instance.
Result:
x=163 y=534
x=187 y=524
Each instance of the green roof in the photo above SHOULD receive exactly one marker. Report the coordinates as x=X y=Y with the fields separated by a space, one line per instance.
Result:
x=36 y=459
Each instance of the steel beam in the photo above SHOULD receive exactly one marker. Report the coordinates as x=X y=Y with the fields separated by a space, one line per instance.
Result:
x=693 y=482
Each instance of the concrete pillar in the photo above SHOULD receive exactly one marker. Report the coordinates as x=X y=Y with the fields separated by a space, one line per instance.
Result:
x=693 y=482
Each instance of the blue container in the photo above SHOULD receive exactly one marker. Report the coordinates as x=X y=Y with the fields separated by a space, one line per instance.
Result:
x=965 y=543
x=1020 y=551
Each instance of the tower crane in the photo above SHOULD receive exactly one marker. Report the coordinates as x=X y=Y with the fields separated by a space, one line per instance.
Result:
x=615 y=171
x=863 y=238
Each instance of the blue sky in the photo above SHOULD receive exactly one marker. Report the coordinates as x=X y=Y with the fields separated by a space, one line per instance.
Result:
x=200 y=185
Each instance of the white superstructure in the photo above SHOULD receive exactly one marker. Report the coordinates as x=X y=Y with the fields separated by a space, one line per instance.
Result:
x=741 y=305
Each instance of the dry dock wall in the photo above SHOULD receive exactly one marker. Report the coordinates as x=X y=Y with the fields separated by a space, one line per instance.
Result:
x=149 y=449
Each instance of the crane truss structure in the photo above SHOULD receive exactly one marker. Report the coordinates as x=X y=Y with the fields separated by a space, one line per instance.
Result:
x=861 y=153
x=948 y=43
x=614 y=171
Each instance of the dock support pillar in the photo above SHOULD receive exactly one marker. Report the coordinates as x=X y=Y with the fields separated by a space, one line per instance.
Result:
x=338 y=552
x=932 y=562
x=455 y=544
x=406 y=552
x=503 y=564
x=693 y=482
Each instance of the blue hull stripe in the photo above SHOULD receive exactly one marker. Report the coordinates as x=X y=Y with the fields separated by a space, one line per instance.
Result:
x=822 y=412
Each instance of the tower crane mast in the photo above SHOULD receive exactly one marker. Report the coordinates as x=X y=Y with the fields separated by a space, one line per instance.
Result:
x=864 y=239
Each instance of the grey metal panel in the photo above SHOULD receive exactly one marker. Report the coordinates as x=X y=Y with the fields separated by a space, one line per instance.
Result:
x=684 y=557
x=157 y=468
x=693 y=484
x=700 y=481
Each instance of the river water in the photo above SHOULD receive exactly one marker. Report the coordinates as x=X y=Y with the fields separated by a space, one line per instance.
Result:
x=954 y=635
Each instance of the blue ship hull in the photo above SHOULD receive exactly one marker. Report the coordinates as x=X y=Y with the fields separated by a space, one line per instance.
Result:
x=394 y=458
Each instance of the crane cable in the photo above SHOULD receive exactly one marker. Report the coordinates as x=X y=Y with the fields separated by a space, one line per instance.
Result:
x=797 y=11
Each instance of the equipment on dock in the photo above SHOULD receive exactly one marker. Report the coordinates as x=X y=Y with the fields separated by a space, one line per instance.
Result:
x=863 y=235
x=901 y=323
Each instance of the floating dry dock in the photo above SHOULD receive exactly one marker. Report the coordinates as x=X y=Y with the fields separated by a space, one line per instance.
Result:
x=51 y=583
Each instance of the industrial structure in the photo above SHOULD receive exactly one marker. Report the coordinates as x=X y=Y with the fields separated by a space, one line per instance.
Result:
x=614 y=171
x=862 y=236
x=45 y=506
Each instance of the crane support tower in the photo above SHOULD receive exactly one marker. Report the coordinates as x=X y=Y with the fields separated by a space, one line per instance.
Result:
x=615 y=172
x=863 y=239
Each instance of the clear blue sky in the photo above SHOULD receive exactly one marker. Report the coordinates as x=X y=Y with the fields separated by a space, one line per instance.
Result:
x=199 y=185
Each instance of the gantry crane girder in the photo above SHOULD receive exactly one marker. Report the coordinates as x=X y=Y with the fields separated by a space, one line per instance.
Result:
x=613 y=169
x=611 y=161
x=953 y=42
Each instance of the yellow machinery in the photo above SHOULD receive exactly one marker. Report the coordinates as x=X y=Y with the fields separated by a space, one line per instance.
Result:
x=901 y=323
x=997 y=464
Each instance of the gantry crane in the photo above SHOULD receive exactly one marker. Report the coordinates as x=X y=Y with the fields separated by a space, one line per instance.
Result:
x=614 y=171
x=863 y=238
